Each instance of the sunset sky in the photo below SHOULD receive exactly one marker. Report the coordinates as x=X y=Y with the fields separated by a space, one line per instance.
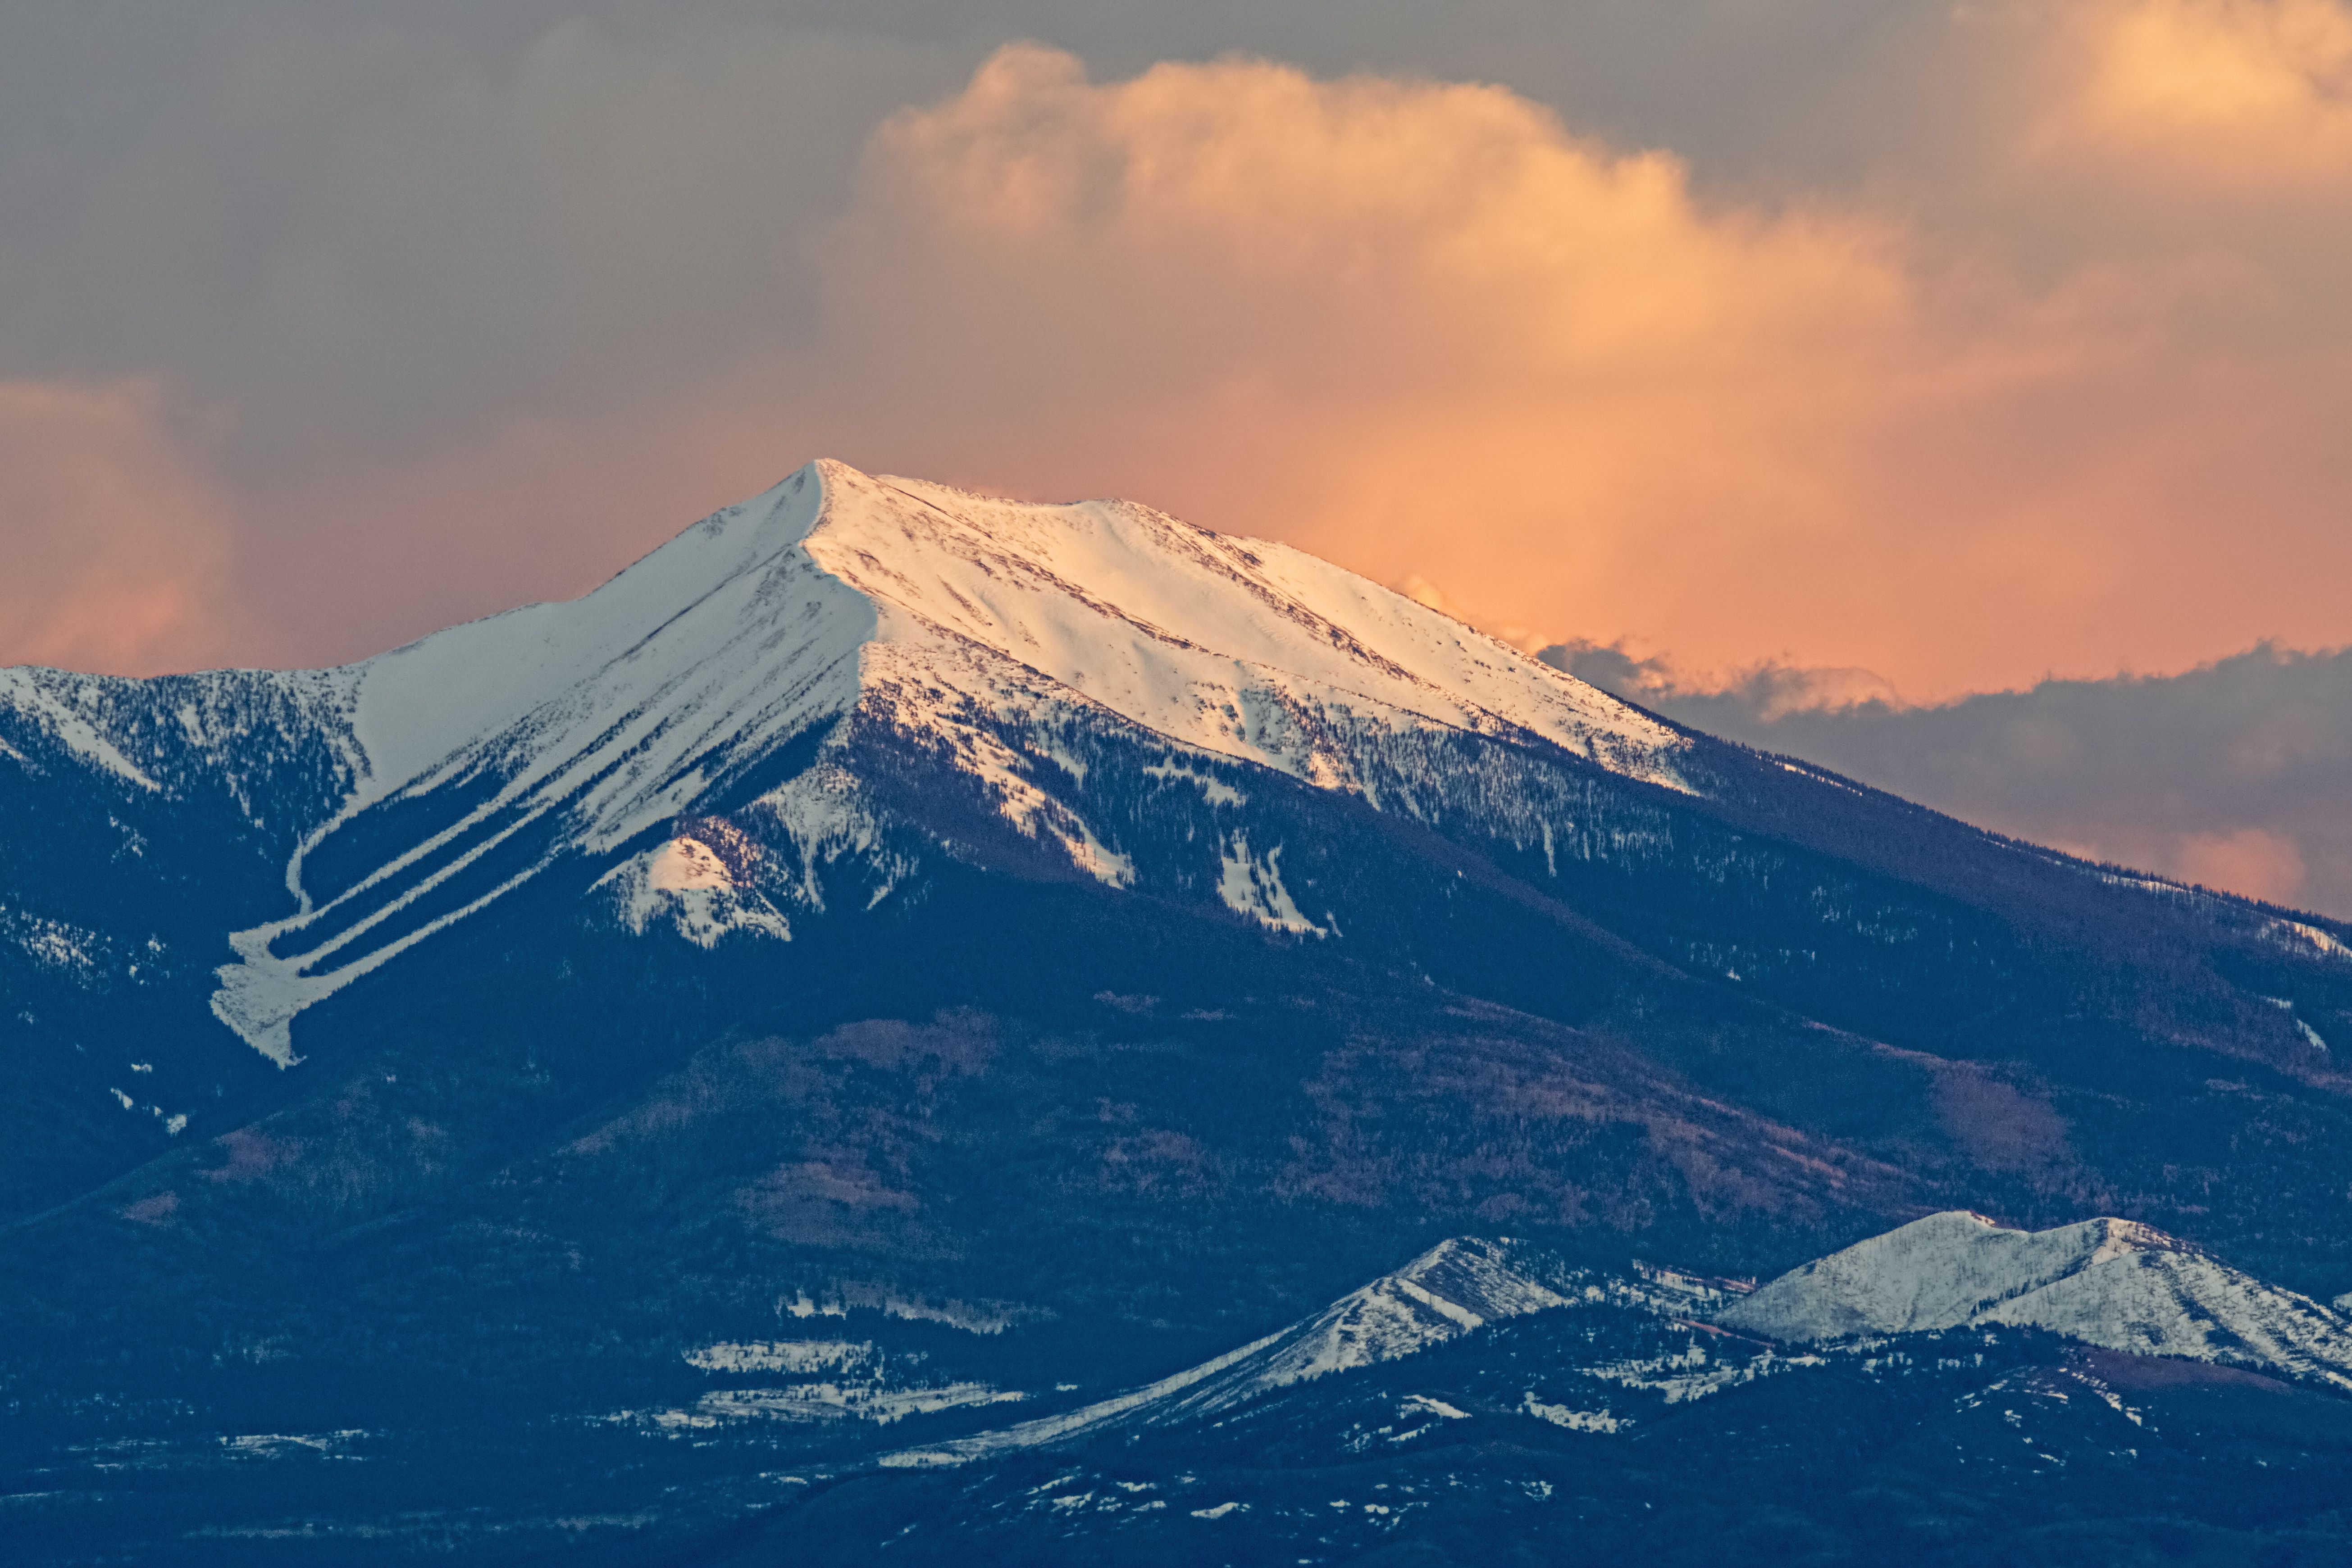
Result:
x=1930 y=349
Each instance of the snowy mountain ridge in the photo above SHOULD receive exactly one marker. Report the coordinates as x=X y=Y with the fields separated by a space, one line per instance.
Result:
x=1458 y=1287
x=2112 y=1283
x=2109 y=1282
x=582 y=728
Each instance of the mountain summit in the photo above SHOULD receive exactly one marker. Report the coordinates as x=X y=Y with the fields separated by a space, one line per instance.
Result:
x=2110 y=1282
x=577 y=729
x=982 y=958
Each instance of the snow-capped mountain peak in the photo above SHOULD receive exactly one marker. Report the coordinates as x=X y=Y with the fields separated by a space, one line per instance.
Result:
x=581 y=728
x=1125 y=607
x=2110 y=1282
x=1188 y=633
x=1458 y=1286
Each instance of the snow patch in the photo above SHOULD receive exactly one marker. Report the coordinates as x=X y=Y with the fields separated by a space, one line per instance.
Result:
x=1689 y=1375
x=982 y=1317
x=785 y=1356
x=1574 y=1420
x=686 y=864
x=1005 y=773
x=1215 y=791
x=1053 y=1429
x=1252 y=886
x=2307 y=939
x=685 y=883
x=260 y=996
x=849 y=1380
x=174 y=1123
x=838 y=1402
x=54 y=944
x=277 y=1445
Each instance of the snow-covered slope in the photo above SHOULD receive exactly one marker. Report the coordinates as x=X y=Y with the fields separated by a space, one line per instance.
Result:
x=1230 y=646
x=2108 y=1282
x=1455 y=1287
x=555 y=728
x=476 y=758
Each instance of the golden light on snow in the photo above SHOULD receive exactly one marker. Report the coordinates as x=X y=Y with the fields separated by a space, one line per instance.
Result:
x=683 y=865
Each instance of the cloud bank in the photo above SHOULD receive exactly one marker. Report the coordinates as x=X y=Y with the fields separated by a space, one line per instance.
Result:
x=1427 y=329
x=2230 y=775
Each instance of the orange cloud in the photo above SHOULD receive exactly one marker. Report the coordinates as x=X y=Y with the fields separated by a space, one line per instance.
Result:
x=2232 y=92
x=1424 y=329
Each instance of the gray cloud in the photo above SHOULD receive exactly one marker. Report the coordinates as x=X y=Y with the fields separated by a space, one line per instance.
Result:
x=364 y=234
x=2235 y=774
x=367 y=225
